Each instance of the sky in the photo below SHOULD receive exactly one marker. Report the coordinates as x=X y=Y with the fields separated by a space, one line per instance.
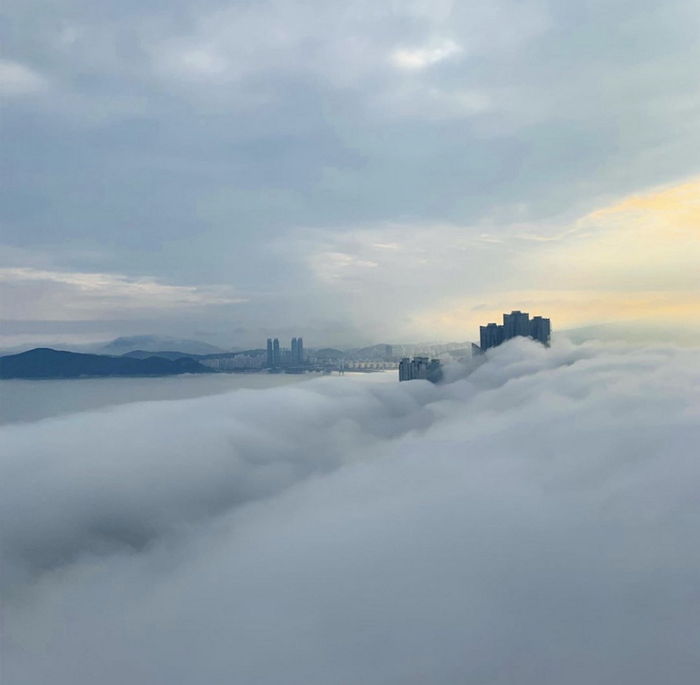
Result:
x=353 y=172
x=534 y=521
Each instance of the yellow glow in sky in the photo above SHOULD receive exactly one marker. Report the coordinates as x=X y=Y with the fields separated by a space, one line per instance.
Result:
x=675 y=210
x=635 y=260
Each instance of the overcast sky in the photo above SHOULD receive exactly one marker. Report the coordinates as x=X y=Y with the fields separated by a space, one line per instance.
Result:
x=352 y=172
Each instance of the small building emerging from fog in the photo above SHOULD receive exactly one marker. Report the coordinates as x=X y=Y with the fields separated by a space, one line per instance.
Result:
x=420 y=368
x=515 y=324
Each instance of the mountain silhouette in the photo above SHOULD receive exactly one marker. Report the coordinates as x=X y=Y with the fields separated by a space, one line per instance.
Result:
x=44 y=362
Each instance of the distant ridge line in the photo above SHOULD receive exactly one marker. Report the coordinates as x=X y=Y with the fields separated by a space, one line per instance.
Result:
x=44 y=362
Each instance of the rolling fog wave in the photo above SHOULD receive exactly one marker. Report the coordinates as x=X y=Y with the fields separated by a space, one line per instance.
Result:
x=533 y=521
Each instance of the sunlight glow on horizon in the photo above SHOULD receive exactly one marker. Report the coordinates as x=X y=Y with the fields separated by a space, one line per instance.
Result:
x=634 y=261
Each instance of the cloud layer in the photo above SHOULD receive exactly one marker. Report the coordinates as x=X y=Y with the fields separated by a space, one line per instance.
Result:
x=29 y=293
x=198 y=142
x=533 y=521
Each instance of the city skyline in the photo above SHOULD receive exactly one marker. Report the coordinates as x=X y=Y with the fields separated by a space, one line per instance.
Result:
x=349 y=342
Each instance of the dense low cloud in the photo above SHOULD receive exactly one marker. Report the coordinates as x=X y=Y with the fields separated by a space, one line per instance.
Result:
x=531 y=522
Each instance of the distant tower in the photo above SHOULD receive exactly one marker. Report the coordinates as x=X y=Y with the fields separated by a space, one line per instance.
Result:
x=270 y=356
x=484 y=341
x=491 y=335
x=405 y=369
x=294 y=352
x=540 y=329
x=300 y=350
x=421 y=368
x=276 y=352
x=516 y=323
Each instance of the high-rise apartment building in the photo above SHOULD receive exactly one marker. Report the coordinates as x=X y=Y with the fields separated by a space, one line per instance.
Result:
x=540 y=329
x=420 y=368
x=515 y=324
x=490 y=335
x=296 y=356
x=278 y=357
x=270 y=358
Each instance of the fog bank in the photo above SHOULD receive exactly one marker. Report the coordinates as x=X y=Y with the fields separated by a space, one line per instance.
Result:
x=532 y=522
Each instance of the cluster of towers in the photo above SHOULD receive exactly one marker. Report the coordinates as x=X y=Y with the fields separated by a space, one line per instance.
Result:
x=514 y=324
x=420 y=367
x=278 y=358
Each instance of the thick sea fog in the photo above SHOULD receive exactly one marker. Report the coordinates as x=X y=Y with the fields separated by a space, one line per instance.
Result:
x=32 y=400
x=534 y=522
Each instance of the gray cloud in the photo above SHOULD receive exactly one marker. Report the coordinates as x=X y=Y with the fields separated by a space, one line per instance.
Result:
x=532 y=521
x=181 y=140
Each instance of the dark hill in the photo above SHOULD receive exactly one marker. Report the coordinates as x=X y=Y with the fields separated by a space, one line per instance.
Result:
x=328 y=353
x=170 y=354
x=230 y=355
x=48 y=363
x=157 y=342
x=164 y=354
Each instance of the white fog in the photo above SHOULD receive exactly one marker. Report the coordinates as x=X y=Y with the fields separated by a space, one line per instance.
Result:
x=534 y=520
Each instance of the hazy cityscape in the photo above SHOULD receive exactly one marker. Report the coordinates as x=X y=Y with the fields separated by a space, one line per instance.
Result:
x=47 y=363
x=349 y=343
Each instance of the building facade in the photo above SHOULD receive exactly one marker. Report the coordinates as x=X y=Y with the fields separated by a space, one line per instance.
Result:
x=420 y=368
x=270 y=358
x=515 y=324
x=540 y=329
x=278 y=357
x=297 y=352
x=490 y=335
